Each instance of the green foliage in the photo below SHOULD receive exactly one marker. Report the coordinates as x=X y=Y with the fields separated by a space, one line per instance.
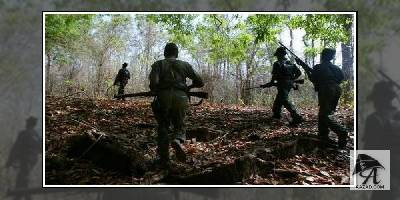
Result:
x=312 y=52
x=347 y=98
x=266 y=27
x=328 y=28
x=174 y=23
x=62 y=30
x=68 y=82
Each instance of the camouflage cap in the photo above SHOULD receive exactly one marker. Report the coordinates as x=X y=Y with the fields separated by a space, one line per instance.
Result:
x=280 y=51
x=125 y=64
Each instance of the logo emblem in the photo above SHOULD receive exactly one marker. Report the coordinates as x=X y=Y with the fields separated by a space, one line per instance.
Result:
x=371 y=170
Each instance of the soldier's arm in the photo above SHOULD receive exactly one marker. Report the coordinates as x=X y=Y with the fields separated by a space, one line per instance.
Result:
x=197 y=82
x=340 y=74
x=154 y=77
x=117 y=78
x=275 y=68
x=129 y=75
x=297 y=72
x=315 y=74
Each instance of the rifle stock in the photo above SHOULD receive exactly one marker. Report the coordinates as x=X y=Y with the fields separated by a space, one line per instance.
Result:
x=202 y=95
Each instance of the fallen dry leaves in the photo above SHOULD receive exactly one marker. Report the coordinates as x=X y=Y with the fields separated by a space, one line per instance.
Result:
x=235 y=131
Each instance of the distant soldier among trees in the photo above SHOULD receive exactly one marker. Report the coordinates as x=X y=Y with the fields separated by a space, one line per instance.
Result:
x=168 y=83
x=122 y=79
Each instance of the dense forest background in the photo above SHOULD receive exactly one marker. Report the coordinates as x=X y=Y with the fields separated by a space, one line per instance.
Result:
x=232 y=52
x=21 y=69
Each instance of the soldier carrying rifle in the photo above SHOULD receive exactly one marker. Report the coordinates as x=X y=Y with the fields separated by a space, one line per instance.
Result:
x=122 y=79
x=283 y=75
x=168 y=83
x=326 y=78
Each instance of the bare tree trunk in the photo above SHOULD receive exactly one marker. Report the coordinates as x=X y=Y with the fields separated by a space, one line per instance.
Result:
x=291 y=40
x=312 y=46
x=347 y=55
x=49 y=84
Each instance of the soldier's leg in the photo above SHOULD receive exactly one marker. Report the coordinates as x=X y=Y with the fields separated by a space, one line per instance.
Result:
x=161 y=116
x=121 y=90
x=163 y=142
x=332 y=123
x=278 y=102
x=179 y=109
x=323 y=114
x=290 y=107
x=179 y=114
x=22 y=180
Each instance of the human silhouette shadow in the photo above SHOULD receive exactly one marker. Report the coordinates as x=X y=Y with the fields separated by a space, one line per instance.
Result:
x=24 y=156
x=381 y=133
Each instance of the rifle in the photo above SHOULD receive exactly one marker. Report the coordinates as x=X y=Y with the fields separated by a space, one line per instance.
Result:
x=389 y=79
x=306 y=68
x=392 y=82
x=202 y=95
x=270 y=84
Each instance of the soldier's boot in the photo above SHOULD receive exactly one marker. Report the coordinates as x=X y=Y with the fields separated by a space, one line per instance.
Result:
x=339 y=130
x=180 y=153
x=296 y=119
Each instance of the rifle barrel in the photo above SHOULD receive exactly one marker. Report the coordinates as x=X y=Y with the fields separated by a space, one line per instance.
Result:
x=390 y=79
x=291 y=52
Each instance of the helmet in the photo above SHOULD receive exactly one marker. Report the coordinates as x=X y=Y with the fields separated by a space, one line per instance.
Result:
x=125 y=64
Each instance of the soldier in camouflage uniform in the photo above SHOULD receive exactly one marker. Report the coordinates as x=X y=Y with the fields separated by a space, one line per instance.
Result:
x=168 y=83
x=122 y=79
x=326 y=78
x=284 y=73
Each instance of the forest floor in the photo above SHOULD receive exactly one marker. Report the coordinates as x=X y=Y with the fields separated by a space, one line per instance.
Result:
x=233 y=145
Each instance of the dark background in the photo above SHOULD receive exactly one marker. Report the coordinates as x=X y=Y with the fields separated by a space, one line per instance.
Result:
x=21 y=82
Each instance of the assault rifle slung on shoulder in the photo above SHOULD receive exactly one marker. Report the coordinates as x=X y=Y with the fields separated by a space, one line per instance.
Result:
x=308 y=70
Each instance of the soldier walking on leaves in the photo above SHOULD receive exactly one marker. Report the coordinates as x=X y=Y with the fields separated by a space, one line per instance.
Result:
x=122 y=79
x=168 y=83
x=326 y=78
x=283 y=74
